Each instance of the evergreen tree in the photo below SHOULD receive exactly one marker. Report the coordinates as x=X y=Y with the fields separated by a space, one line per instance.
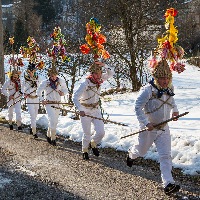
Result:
x=20 y=35
x=6 y=45
x=45 y=8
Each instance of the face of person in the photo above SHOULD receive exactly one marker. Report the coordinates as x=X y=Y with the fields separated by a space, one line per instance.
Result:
x=14 y=77
x=31 y=73
x=53 y=77
x=97 y=75
x=163 y=82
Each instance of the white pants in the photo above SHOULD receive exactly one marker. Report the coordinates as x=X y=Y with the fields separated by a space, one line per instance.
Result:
x=33 y=110
x=98 y=127
x=53 y=115
x=162 y=140
x=17 y=107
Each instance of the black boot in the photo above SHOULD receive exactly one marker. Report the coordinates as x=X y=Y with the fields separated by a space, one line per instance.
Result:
x=129 y=161
x=35 y=136
x=171 y=188
x=85 y=156
x=19 y=128
x=11 y=127
x=53 y=142
x=48 y=139
x=95 y=151
x=31 y=132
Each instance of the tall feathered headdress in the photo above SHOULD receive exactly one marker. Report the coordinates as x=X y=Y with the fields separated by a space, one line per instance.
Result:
x=32 y=52
x=15 y=62
x=167 y=48
x=95 y=40
x=58 y=52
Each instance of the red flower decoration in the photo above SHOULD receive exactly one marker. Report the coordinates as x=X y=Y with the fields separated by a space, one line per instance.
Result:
x=167 y=45
x=153 y=62
x=95 y=37
x=101 y=39
x=20 y=62
x=105 y=54
x=94 y=40
x=178 y=67
x=171 y=11
x=85 y=49
x=95 y=57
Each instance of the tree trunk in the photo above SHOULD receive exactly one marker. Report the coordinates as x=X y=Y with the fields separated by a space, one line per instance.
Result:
x=128 y=26
x=2 y=73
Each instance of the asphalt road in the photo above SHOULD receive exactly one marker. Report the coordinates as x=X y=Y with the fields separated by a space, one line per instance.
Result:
x=32 y=169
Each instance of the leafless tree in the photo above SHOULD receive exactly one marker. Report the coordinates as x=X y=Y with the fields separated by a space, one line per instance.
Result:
x=190 y=36
x=131 y=27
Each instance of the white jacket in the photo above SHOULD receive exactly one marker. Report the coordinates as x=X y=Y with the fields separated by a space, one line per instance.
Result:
x=49 y=93
x=88 y=93
x=149 y=108
x=8 y=89
x=27 y=86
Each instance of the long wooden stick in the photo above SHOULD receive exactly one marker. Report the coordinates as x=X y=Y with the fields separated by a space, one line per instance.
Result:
x=21 y=99
x=15 y=98
x=161 y=123
x=105 y=120
x=53 y=103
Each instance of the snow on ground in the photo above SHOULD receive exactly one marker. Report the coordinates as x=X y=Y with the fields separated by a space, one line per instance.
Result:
x=120 y=108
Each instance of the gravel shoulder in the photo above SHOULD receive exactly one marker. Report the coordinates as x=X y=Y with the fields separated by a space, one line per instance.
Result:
x=32 y=169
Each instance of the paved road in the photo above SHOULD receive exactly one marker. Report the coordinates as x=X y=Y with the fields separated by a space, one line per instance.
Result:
x=34 y=170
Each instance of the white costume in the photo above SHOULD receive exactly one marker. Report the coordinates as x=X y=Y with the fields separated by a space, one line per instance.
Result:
x=53 y=96
x=9 y=89
x=29 y=87
x=151 y=109
x=86 y=99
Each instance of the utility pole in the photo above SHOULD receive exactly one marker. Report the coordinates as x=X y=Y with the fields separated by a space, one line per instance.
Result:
x=2 y=73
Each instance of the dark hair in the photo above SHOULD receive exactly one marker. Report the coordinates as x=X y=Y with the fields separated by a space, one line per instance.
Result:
x=31 y=67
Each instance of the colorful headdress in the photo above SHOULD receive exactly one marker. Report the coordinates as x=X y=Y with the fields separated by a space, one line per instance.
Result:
x=15 y=63
x=58 y=51
x=31 y=52
x=167 y=48
x=162 y=70
x=95 y=41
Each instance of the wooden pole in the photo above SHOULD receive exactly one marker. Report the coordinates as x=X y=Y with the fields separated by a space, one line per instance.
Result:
x=157 y=125
x=105 y=120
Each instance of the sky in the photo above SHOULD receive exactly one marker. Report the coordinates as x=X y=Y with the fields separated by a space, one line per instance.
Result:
x=120 y=108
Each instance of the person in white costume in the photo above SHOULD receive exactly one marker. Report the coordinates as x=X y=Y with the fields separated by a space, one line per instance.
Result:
x=12 y=90
x=30 y=84
x=54 y=87
x=153 y=105
x=86 y=100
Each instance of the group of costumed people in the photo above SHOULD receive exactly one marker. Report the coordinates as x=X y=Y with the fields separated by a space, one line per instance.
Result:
x=154 y=103
x=32 y=88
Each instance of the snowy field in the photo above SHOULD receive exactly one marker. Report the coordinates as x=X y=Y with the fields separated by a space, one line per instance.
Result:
x=120 y=108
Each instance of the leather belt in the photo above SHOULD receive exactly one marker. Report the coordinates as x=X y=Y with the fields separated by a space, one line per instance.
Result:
x=32 y=96
x=53 y=102
x=90 y=105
